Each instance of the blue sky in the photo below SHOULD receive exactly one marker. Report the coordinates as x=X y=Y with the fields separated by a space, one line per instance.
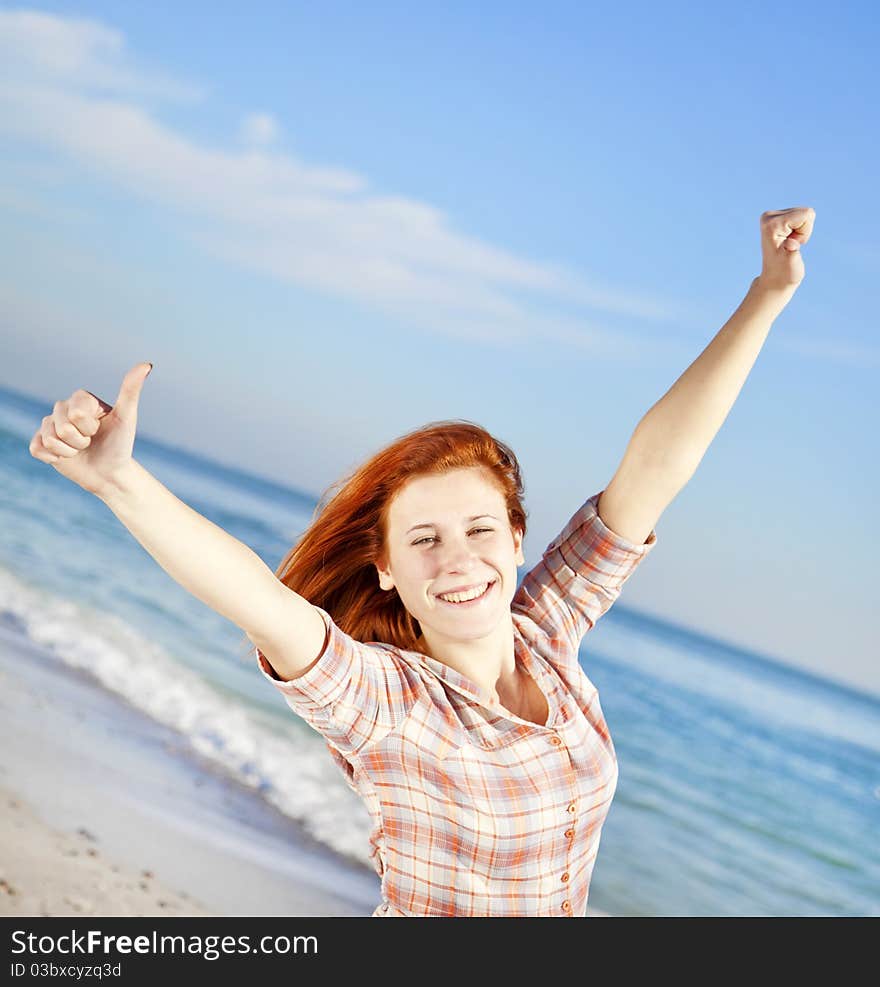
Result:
x=329 y=224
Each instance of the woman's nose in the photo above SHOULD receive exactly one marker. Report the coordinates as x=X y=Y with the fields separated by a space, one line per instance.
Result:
x=458 y=556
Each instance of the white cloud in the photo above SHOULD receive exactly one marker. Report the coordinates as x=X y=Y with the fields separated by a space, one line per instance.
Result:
x=72 y=87
x=259 y=129
x=57 y=50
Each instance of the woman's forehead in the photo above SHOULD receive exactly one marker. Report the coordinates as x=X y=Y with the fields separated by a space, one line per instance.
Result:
x=453 y=496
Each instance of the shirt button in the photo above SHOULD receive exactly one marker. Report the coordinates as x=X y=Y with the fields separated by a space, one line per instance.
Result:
x=566 y=906
x=569 y=833
x=556 y=741
x=572 y=807
x=565 y=877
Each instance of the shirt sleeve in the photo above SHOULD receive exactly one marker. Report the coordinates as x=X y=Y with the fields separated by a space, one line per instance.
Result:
x=579 y=576
x=354 y=694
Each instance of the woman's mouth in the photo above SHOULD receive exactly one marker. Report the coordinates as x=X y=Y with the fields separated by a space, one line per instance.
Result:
x=464 y=604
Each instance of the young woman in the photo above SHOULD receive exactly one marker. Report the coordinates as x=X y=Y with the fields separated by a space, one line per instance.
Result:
x=452 y=700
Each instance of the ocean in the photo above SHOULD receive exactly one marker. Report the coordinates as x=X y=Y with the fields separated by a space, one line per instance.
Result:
x=746 y=787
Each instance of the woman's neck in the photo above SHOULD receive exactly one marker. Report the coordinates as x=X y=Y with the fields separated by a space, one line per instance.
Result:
x=490 y=662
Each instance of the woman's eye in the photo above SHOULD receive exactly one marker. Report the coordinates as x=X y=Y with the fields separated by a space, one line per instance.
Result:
x=431 y=538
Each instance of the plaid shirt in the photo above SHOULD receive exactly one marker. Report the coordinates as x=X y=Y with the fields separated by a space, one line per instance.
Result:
x=476 y=811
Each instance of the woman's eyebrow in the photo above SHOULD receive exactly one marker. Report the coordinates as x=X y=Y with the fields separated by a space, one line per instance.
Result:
x=476 y=517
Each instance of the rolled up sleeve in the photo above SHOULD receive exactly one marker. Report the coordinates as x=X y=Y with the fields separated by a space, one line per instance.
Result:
x=580 y=575
x=354 y=694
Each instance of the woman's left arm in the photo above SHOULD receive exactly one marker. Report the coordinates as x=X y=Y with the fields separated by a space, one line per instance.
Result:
x=675 y=433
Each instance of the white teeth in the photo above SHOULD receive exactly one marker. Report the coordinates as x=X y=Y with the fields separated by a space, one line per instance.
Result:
x=464 y=597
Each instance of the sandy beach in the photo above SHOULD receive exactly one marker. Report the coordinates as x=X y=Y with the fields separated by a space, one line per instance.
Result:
x=105 y=812
x=48 y=872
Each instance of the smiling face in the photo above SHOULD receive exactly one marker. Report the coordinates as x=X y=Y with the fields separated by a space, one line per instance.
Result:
x=451 y=532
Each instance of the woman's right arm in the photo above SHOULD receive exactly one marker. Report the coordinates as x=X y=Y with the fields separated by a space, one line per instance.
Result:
x=220 y=570
x=90 y=443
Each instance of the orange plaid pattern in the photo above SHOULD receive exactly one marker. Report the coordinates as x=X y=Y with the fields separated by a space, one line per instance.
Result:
x=476 y=812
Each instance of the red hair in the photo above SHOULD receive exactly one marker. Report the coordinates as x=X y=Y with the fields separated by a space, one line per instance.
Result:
x=333 y=564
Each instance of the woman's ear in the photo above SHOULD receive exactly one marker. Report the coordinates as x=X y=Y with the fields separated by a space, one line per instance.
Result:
x=517 y=542
x=385 y=579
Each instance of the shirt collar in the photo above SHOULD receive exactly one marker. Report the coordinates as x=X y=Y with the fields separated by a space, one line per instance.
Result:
x=468 y=688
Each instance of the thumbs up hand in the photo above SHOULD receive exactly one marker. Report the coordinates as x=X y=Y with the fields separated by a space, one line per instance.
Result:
x=89 y=441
